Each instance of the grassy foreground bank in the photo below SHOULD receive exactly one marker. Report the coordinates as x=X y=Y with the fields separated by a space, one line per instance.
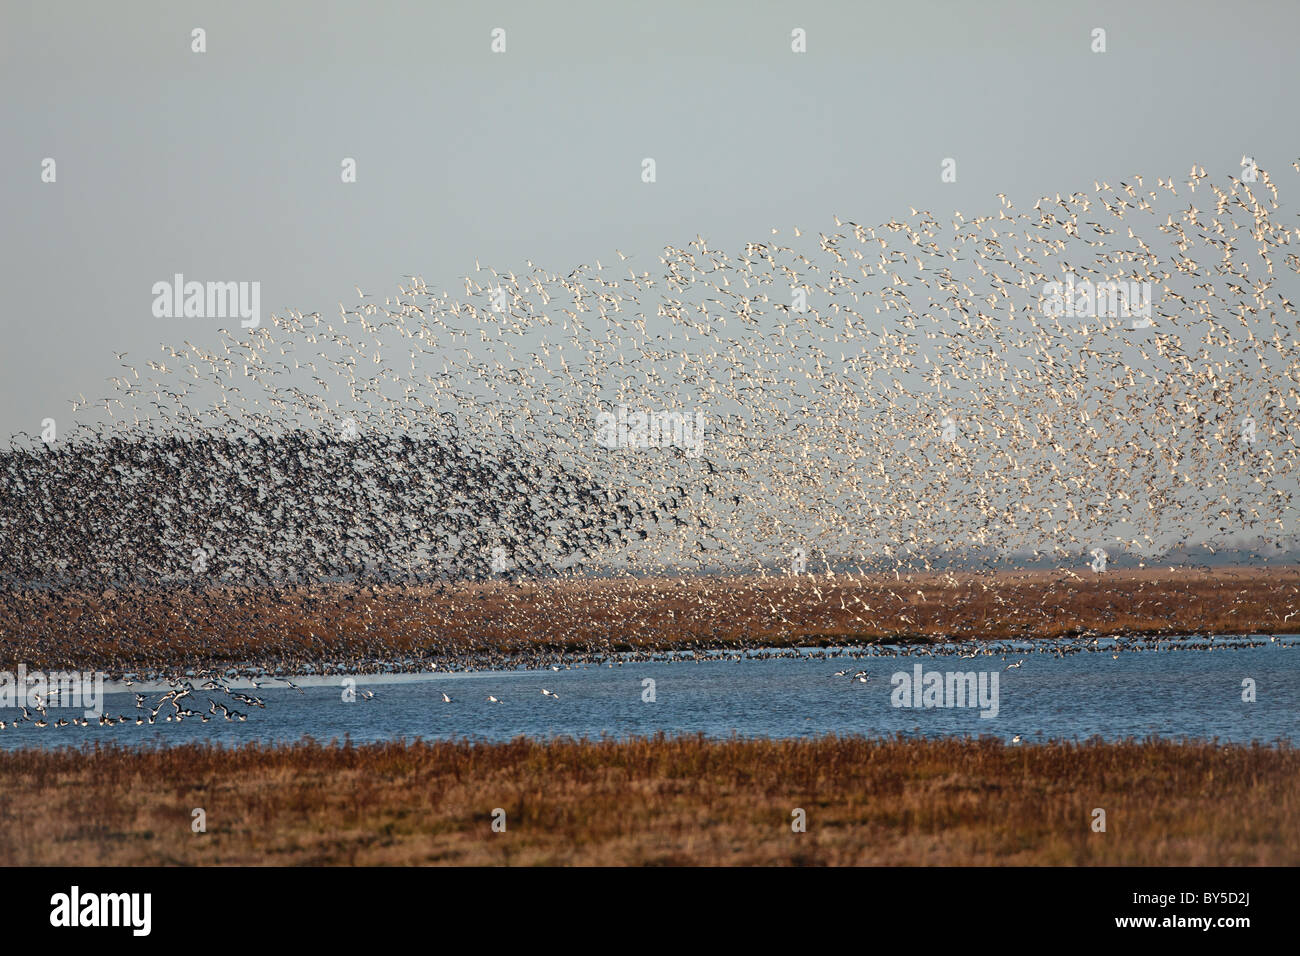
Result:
x=657 y=801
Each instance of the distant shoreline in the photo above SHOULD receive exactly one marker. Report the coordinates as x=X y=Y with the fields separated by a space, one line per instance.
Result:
x=499 y=624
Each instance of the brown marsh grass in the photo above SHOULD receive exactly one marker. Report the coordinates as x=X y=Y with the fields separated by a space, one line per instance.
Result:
x=120 y=631
x=657 y=801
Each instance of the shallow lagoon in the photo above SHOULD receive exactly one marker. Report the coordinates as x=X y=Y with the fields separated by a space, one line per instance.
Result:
x=1165 y=693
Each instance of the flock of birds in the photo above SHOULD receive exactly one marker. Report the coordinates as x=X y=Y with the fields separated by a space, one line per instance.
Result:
x=297 y=508
x=150 y=712
x=892 y=397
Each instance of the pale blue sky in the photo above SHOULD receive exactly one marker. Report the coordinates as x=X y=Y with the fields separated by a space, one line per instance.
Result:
x=225 y=165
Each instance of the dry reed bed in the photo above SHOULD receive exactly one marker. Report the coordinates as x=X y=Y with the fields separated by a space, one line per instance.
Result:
x=657 y=801
x=157 y=629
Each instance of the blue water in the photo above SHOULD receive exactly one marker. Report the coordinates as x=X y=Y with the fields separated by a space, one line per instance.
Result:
x=1170 y=694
